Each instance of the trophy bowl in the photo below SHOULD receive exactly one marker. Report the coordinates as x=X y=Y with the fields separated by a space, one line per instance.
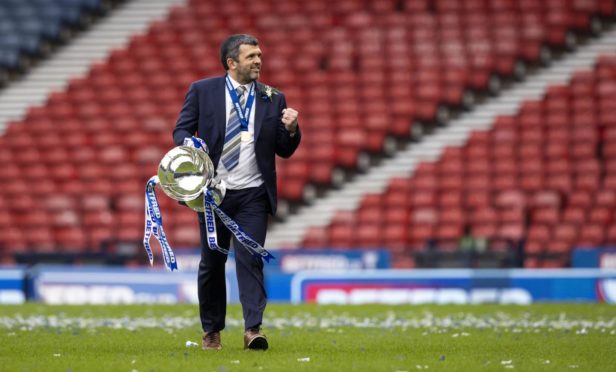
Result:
x=217 y=191
x=184 y=171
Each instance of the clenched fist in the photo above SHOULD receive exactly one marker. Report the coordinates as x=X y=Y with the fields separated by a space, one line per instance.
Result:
x=289 y=119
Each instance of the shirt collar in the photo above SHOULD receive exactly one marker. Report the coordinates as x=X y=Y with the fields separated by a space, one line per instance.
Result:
x=236 y=84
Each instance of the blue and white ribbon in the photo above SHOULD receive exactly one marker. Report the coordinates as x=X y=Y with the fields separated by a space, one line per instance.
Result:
x=210 y=223
x=154 y=226
x=256 y=250
x=197 y=143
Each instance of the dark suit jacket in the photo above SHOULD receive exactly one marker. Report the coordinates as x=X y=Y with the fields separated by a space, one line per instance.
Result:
x=204 y=113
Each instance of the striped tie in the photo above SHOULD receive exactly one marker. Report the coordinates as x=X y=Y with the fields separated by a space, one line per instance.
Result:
x=231 y=151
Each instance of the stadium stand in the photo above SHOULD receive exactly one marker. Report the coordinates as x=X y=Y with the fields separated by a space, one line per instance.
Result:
x=542 y=178
x=363 y=74
x=30 y=29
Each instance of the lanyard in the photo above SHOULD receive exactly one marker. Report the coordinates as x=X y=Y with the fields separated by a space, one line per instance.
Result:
x=242 y=114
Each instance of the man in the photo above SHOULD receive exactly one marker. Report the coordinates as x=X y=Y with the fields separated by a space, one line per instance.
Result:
x=244 y=124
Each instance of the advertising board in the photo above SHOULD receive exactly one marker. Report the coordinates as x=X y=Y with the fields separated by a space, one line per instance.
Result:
x=12 y=282
x=455 y=286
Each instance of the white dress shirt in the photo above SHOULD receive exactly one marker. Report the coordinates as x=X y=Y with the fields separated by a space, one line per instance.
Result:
x=246 y=174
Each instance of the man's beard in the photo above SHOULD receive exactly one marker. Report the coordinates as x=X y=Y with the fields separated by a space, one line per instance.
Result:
x=248 y=75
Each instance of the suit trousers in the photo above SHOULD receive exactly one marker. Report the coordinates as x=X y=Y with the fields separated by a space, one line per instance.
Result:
x=249 y=208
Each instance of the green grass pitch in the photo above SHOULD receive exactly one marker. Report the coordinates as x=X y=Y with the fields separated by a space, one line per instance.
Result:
x=143 y=338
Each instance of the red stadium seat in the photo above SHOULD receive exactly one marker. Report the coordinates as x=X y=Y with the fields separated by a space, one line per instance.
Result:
x=70 y=239
x=13 y=240
x=574 y=215
x=591 y=236
x=601 y=216
x=369 y=236
x=342 y=236
x=316 y=237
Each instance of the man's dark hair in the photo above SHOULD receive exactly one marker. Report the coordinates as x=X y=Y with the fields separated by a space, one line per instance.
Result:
x=230 y=48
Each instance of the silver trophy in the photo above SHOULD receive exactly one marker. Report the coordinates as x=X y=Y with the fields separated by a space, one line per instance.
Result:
x=184 y=174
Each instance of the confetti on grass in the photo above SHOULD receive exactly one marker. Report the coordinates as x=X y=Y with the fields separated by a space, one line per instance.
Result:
x=426 y=320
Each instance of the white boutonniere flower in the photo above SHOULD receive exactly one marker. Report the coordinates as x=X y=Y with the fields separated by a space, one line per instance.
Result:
x=268 y=92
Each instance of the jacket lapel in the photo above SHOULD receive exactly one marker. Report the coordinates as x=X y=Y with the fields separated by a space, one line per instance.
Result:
x=260 y=107
x=220 y=126
x=220 y=115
